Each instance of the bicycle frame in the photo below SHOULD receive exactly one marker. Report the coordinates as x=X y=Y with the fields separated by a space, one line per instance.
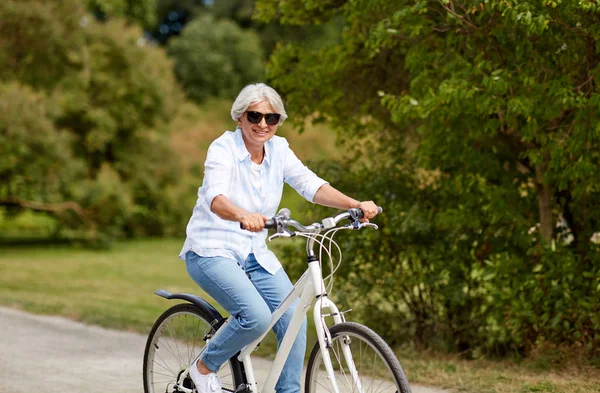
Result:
x=308 y=287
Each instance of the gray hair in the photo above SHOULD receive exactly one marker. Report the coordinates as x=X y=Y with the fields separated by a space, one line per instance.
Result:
x=253 y=94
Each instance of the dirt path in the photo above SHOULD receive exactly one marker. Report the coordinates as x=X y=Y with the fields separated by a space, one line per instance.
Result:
x=56 y=355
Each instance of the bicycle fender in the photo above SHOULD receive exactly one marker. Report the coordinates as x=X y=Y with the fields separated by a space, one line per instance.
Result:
x=195 y=300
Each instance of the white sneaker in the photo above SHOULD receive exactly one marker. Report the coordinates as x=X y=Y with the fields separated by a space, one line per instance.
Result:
x=208 y=383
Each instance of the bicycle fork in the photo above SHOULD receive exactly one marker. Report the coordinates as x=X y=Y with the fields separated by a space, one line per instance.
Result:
x=326 y=342
x=324 y=337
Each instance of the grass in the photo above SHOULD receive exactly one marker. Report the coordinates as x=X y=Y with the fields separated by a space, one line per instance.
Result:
x=108 y=288
x=489 y=376
x=111 y=288
x=115 y=288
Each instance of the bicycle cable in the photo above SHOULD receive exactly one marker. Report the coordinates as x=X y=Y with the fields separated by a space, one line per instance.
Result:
x=332 y=269
x=327 y=248
x=315 y=238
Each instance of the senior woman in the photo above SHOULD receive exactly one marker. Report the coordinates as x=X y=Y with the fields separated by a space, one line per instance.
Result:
x=243 y=182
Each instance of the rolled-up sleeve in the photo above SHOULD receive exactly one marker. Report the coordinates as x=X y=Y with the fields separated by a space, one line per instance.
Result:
x=218 y=169
x=302 y=179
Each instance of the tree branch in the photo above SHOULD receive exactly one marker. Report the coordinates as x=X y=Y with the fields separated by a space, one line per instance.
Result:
x=55 y=208
x=458 y=16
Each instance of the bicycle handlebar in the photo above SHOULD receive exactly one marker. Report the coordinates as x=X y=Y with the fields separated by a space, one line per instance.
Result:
x=283 y=217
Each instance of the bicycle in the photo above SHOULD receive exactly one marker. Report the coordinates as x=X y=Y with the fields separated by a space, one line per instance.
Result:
x=348 y=357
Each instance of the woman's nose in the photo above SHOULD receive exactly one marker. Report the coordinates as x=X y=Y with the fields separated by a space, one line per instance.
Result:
x=263 y=123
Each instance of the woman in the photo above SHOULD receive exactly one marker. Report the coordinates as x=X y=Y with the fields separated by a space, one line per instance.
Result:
x=243 y=182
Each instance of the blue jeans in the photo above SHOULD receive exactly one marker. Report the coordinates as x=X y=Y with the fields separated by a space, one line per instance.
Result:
x=249 y=293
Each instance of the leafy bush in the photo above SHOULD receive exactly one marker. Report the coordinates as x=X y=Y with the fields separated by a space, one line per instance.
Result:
x=550 y=298
x=35 y=160
x=446 y=272
x=216 y=58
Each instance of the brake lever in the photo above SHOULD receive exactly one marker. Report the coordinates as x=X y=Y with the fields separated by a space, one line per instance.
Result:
x=356 y=225
x=285 y=233
x=369 y=225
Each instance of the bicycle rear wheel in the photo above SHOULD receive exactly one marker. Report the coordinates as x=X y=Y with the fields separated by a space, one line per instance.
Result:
x=174 y=341
x=362 y=363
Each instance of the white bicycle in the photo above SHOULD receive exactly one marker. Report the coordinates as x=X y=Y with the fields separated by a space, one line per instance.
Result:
x=348 y=357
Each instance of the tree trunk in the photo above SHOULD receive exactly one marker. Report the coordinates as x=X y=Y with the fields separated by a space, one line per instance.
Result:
x=544 y=197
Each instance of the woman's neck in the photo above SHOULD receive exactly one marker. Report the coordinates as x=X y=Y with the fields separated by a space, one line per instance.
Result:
x=257 y=152
x=258 y=157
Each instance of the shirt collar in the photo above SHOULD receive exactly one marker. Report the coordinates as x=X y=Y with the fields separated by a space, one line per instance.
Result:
x=242 y=153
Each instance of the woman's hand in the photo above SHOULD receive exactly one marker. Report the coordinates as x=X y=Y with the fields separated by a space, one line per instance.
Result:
x=369 y=209
x=253 y=222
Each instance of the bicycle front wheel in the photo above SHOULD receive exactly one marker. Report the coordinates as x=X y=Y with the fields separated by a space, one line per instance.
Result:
x=362 y=363
x=175 y=340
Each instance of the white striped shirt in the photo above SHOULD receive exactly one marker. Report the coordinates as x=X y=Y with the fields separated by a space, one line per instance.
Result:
x=228 y=171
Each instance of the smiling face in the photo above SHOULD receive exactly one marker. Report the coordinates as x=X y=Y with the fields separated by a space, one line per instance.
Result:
x=255 y=135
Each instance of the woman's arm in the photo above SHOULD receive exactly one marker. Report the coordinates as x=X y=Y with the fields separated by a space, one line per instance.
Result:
x=255 y=222
x=329 y=196
x=227 y=210
x=306 y=182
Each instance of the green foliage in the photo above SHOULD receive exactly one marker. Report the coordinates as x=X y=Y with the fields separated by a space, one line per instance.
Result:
x=140 y=12
x=481 y=118
x=216 y=58
x=239 y=11
x=36 y=163
x=87 y=141
x=40 y=40
x=297 y=12
x=38 y=225
x=247 y=14
x=553 y=299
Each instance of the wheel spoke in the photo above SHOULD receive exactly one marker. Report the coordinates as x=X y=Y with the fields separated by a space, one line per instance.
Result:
x=163 y=363
x=362 y=363
x=176 y=339
x=341 y=370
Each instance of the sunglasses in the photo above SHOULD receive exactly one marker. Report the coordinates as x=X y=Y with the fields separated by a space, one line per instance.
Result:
x=256 y=117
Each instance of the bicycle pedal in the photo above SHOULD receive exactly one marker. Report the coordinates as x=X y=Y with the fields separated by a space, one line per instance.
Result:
x=243 y=388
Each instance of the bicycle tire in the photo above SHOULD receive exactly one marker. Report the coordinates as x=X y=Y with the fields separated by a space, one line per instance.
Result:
x=382 y=373
x=177 y=336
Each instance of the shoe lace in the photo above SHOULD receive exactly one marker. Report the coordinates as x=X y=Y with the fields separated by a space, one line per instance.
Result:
x=213 y=382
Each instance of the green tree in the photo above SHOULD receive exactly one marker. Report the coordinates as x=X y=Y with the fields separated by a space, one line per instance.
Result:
x=36 y=164
x=100 y=117
x=139 y=12
x=216 y=58
x=40 y=41
x=487 y=110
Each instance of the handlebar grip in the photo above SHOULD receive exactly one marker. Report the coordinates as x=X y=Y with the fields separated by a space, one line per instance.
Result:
x=358 y=213
x=269 y=224
x=379 y=211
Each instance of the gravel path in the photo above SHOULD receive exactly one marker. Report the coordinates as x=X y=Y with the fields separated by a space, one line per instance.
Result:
x=56 y=355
